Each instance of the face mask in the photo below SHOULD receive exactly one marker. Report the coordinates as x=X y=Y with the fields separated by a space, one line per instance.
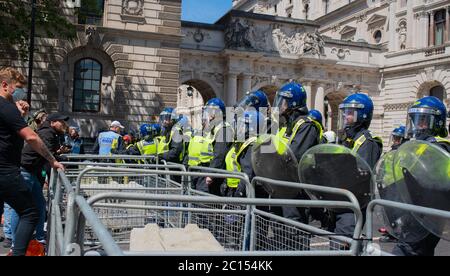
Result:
x=19 y=94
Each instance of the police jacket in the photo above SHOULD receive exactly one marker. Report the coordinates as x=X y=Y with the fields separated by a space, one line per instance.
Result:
x=175 y=146
x=306 y=137
x=32 y=161
x=222 y=144
x=369 y=148
x=444 y=144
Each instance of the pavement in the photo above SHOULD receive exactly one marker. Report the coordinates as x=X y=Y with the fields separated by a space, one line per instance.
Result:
x=443 y=248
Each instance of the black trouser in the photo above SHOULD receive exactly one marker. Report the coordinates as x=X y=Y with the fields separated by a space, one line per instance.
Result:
x=424 y=247
x=15 y=192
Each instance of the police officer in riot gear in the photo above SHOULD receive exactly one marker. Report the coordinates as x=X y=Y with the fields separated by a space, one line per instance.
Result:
x=297 y=130
x=256 y=99
x=398 y=137
x=210 y=147
x=316 y=116
x=170 y=146
x=426 y=122
x=148 y=145
x=355 y=116
x=239 y=157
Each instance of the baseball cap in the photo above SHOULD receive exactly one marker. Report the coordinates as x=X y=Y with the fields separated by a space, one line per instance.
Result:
x=57 y=117
x=116 y=124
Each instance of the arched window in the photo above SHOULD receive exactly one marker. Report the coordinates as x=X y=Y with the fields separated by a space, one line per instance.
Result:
x=87 y=81
x=439 y=29
x=438 y=92
x=377 y=36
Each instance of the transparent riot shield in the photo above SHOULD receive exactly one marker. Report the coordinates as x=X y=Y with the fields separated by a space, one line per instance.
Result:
x=337 y=167
x=272 y=158
x=400 y=224
x=422 y=171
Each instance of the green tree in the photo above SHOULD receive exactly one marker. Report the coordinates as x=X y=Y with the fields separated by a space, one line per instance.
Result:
x=51 y=22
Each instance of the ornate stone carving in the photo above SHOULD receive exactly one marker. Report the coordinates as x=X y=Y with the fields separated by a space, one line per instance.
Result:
x=336 y=28
x=133 y=7
x=288 y=43
x=261 y=37
x=90 y=32
x=257 y=80
x=340 y=53
x=396 y=107
x=314 y=44
x=199 y=35
x=243 y=34
x=237 y=34
x=217 y=77
x=361 y=17
x=402 y=32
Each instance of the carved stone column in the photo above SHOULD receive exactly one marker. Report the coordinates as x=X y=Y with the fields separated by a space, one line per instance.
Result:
x=246 y=83
x=320 y=96
x=410 y=25
x=231 y=89
x=431 y=31
x=447 y=24
x=392 y=25
x=308 y=88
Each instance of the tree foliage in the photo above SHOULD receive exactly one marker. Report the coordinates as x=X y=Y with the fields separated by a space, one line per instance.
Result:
x=51 y=22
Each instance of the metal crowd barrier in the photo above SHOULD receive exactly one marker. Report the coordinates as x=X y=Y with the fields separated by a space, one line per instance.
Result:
x=84 y=218
x=233 y=221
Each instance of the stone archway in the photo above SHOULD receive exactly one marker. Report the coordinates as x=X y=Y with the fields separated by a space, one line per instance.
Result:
x=432 y=88
x=192 y=96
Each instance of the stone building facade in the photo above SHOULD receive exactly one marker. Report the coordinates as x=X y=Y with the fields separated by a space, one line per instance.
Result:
x=394 y=50
x=139 y=57
x=122 y=66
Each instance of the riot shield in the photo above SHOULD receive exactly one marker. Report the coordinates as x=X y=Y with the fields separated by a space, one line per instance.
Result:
x=400 y=224
x=337 y=167
x=422 y=170
x=272 y=158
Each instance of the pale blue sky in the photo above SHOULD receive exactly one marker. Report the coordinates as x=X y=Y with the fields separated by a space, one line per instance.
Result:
x=204 y=11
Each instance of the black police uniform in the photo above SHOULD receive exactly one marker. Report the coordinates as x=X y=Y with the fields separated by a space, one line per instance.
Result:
x=427 y=245
x=221 y=146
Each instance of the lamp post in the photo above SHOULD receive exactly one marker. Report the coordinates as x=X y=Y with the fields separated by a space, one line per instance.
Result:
x=31 y=51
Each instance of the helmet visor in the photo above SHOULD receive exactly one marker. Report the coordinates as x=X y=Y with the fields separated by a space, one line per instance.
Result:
x=211 y=115
x=420 y=123
x=395 y=140
x=281 y=102
x=348 y=117
x=165 y=119
x=249 y=101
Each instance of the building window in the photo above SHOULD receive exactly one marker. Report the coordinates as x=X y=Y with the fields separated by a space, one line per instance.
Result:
x=91 y=12
x=87 y=80
x=377 y=36
x=439 y=30
x=438 y=92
